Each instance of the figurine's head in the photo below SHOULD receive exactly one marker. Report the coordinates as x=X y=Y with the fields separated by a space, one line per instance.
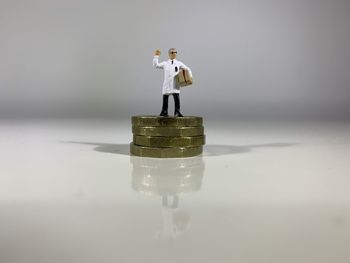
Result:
x=172 y=53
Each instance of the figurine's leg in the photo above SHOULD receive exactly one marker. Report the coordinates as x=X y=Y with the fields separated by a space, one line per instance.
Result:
x=166 y=201
x=177 y=105
x=164 y=112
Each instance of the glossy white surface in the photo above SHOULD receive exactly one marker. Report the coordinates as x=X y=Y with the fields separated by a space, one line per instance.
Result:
x=261 y=192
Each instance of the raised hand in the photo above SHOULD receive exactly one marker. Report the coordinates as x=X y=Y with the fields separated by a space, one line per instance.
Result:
x=157 y=53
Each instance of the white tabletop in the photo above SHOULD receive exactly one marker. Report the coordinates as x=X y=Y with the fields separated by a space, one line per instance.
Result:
x=261 y=192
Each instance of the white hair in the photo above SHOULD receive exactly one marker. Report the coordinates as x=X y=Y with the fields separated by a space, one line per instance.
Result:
x=171 y=49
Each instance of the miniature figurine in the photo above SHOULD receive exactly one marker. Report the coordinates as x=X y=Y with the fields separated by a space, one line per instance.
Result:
x=172 y=68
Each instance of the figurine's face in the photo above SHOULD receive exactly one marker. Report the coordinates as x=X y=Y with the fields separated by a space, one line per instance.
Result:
x=172 y=54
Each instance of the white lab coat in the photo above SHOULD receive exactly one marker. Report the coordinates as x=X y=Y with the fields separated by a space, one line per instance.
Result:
x=169 y=84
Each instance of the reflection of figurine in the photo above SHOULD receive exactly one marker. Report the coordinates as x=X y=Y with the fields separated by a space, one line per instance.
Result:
x=172 y=68
x=169 y=179
x=175 y=221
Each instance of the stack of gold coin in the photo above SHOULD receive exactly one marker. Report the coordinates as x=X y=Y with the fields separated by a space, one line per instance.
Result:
x=167 y=137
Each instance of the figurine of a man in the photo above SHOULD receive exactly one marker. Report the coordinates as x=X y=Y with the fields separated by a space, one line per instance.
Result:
x=171 y=68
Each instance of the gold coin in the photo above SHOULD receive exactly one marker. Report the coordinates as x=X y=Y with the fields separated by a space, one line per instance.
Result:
x=169 y=141
x=155 y=152
x=168 y=131
x=149 y=121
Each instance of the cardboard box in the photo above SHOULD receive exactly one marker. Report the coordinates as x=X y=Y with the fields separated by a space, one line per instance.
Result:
x=183 y=78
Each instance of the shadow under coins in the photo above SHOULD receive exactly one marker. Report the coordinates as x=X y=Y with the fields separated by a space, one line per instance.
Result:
x=208 y=150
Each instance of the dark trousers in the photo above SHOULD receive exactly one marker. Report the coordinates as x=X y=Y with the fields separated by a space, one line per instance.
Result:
x=176 y=101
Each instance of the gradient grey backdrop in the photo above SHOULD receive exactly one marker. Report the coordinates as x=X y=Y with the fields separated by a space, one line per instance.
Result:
x=251 y=59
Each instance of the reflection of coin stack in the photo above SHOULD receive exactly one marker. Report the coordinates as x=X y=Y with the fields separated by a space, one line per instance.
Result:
x=167 y=137
x=167 y=177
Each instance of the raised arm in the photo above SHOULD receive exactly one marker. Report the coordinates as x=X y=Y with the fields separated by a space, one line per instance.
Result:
x=156 y=63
